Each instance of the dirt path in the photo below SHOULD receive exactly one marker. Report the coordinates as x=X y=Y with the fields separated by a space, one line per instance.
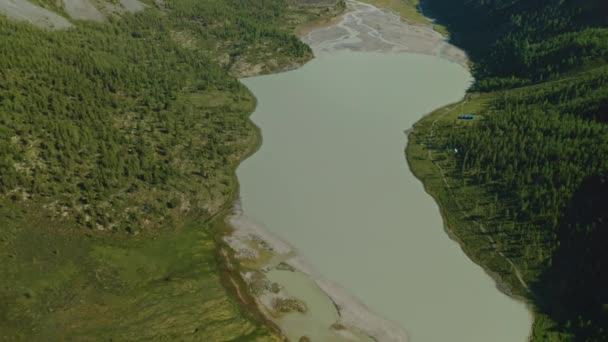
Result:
x=238 y=290
x=228 y=264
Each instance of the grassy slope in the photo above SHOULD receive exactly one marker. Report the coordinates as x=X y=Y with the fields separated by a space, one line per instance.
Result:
x=66 y=282
x=66 y=286
x=161 y=276
x=62 y=282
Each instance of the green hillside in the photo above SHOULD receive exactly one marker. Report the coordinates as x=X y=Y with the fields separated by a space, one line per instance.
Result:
x=531 y=168
x=118 y=143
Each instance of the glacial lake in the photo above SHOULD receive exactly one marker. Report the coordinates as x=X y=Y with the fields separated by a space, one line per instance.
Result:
x=331 y=178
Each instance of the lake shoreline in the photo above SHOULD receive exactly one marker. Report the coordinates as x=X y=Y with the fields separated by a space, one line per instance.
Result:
x=233 y=280
x=360 y=315
x=416 y=160
x=267 y=238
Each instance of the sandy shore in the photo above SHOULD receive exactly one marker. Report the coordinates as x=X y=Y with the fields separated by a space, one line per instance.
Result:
x=262 y=252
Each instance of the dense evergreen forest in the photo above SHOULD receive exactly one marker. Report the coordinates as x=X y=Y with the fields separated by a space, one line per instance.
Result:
x=101 y=116
x=118 y=143
x=538 y=152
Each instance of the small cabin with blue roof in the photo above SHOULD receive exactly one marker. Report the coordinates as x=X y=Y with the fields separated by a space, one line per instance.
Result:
x=466 y=116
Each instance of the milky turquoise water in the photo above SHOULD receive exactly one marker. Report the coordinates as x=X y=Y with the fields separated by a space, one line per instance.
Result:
x=331 y=178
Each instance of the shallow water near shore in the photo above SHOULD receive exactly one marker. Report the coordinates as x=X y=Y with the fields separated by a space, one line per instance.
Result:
x=331 y=179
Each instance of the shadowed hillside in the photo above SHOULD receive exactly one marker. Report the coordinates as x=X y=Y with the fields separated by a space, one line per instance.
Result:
x=532 y=167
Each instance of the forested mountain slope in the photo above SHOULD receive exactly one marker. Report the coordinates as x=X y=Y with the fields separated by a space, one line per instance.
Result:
x=118 y=142
x=537 y=154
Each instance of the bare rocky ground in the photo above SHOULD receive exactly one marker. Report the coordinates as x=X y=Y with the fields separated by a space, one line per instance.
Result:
x=76 y=9
x=26 y=11
x=82 y=10
x=131 y=6
x=368 y=28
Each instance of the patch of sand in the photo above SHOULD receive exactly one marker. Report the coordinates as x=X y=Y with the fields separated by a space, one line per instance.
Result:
x=357 y=316
x=356 y=321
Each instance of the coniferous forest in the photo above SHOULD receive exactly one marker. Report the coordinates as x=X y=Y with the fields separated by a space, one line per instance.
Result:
x=115 y=137
x=118 y=143
x=95 y=115
x=539 y=151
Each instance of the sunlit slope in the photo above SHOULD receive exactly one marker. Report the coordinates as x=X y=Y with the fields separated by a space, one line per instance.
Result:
x=118 y=141
x=58 y=285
